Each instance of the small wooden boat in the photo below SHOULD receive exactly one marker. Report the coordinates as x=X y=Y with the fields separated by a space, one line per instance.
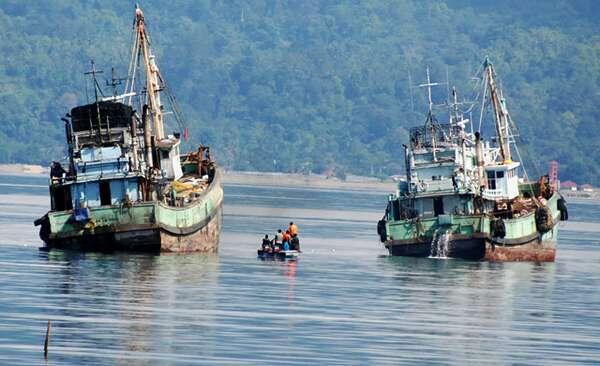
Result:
x=278 y=254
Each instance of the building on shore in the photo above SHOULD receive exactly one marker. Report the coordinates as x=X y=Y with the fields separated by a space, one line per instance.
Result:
x=568 y=185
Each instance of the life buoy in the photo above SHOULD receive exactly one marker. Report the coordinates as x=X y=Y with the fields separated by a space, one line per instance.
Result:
x=381 y=230
x=423 y=186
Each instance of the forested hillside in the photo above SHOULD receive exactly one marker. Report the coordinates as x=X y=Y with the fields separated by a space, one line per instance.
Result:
x=308 y=85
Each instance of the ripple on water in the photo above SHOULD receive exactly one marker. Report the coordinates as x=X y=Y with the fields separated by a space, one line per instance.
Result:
x=342 y=302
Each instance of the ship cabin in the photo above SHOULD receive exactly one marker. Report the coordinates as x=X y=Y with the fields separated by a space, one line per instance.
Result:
x=170 y=162
x=502 y=181
x=439 y=162
x=429 y=206
x=105 y=158
x=439 y=158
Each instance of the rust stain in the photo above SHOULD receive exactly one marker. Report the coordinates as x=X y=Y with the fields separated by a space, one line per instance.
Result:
x=205 y=240
x=531 y=252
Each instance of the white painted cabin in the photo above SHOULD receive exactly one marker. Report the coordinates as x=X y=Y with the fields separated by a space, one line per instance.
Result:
x=502 y=181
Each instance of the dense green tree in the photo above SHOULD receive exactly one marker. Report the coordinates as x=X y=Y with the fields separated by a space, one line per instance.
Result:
x=310 y=85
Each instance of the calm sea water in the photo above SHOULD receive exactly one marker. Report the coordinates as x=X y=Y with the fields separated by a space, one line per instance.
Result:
x=343 y=302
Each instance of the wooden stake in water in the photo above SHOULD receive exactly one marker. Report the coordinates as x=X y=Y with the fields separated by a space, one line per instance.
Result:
x=47 y=340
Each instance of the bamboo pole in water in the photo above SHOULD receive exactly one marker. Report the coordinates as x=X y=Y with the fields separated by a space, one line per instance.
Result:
x=47 y=340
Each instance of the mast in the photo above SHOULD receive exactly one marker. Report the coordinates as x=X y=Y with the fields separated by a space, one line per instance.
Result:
x=500 y=112
x=97 y=89
x=454 y=118
x=429 y=85
x=429 y=123
x=152 y=76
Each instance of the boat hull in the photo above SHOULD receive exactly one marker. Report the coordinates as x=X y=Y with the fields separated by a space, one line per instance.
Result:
x=533 y=248
x=144 y=226
x=471 y=237
x=533 y=252
x=282 y=255
x=529 y=249
x=470 y=248
x=203 y=240
x=146 y=238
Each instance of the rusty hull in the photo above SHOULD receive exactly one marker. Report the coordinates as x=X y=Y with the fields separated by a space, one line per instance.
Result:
x=205 y=240
x=147 y=238
x=532 y=251
x=481 y=247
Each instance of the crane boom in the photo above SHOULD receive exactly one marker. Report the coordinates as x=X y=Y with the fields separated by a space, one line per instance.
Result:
x=500 y=112
x=153 y=86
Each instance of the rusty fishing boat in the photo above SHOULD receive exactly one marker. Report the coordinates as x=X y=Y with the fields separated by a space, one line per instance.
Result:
x=463 y=196
x=125 y=185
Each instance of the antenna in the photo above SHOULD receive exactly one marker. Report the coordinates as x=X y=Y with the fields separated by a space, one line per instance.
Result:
x=412 y=103
x=455 y=112
x=85 y=84
x=448 y=85
x=93 y=72
x=431 y=122
x=428 y=85
x=455 y=105
x=114 y=81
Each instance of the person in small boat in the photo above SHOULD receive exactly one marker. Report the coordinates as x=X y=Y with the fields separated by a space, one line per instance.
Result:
x=267 y=245
x=293 y=229
x=295 y=243
x=278 y=239
x=286 y=240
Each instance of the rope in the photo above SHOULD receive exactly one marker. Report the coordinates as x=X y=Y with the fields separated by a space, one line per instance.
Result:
x=129 y=85
x=526 y=176
x=482 y=105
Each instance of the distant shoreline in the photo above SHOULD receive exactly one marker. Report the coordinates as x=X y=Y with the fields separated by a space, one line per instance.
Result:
x=292 y=180
x=313 y=181
x=269 y=179
x=23 y=169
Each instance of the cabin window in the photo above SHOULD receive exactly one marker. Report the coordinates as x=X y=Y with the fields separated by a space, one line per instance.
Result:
x=164 y=154
x=105 y=193
x=395 y=209
x=491 y=178
x=438 y=206
x=499 y=175
x=62 y=198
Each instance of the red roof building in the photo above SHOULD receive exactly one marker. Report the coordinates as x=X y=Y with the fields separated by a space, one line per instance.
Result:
x=569 y=184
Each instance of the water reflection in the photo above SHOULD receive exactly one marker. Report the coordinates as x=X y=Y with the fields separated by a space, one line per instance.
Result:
x=340 y=303
x=290 y=274
x=457 y=300
x=144 y=296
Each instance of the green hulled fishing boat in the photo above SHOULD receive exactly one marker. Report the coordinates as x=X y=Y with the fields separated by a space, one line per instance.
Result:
x=463 y=196
x=125 y=185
